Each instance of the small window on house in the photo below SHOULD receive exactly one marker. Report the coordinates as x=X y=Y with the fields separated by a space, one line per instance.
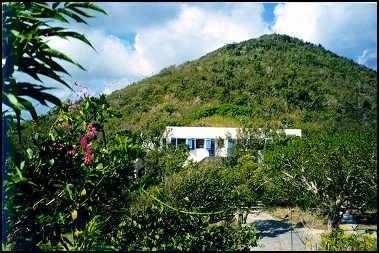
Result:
x=181 y=141
x=199 y=143
x=191 y=143
x=173 y=141
x=164 y=141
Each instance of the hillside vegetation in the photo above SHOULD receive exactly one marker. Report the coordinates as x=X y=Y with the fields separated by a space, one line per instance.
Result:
x=274 y=80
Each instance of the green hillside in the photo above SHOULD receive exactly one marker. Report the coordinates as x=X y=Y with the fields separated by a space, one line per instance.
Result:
x=274 y=80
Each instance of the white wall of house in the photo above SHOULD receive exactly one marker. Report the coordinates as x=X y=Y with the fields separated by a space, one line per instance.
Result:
x=203 y=133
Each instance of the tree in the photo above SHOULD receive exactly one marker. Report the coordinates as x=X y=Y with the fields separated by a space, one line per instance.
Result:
x=336 y=172
x=25 y=33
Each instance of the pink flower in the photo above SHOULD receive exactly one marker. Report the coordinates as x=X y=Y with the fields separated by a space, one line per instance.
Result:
x=71 y=152
x=87 y=154
x=71 y=111
x=90 y=125
x=83 y=142
x=67 y=126
x=70 y=185
x=76 y=106
x=88 y=158
x=93 y=130
x=74 y=147
x=91 y=135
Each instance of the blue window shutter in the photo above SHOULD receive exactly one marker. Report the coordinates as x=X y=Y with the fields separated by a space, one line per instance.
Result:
x=193 y=143
x=173 y=141
x=208 y=144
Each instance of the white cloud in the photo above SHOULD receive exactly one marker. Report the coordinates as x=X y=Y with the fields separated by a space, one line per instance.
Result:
x=340 y=27
x=368 y=58
x=188 y=35
x=194 y=32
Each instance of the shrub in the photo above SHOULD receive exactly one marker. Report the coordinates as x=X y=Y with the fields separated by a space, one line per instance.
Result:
x=337 y=240
x=68 y=176
x=158 y=228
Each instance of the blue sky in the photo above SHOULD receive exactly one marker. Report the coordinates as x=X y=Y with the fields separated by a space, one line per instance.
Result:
x=137 y=40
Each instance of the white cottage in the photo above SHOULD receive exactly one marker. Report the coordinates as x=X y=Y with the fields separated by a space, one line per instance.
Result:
x=202 y=140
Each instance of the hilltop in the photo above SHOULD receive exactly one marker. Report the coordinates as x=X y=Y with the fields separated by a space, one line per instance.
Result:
x=274 y=80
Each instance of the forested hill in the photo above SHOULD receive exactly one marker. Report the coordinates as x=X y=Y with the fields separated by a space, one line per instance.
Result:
x=274 y=79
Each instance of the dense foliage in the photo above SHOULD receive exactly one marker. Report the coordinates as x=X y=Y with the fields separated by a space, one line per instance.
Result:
x=334 y=171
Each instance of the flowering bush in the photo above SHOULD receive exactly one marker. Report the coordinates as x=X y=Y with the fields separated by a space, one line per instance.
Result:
x=337 y=240
x=61 y=181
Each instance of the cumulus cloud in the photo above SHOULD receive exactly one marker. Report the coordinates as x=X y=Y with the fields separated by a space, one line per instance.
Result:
x=189 y=34
x=344 y=28
x=369 y=58
x=194 y=32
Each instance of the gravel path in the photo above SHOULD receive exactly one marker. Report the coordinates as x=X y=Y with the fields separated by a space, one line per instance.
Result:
x=277 y=234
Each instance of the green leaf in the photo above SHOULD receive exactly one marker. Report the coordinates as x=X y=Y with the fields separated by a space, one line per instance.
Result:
x=29 y=107
x=55 y=5
x=22 y=165
x=30 y=153
x=99 y=166
x=72 y=15
x=44 y=6
x=32 y=67
x=59 y=55
x=69 y=191
x=51 y=161
x=78 y=36
x=81 y=12
x=19 y=172
x=28 y=89
x=14 y=101
x=87 y=5
x=84 y=192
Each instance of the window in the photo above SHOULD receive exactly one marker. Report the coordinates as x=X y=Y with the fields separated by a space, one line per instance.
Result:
x=191 y=143
x=181 y=141
x=173 y=141
x=210 y=146
x=164 y=141
x=199 y=143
